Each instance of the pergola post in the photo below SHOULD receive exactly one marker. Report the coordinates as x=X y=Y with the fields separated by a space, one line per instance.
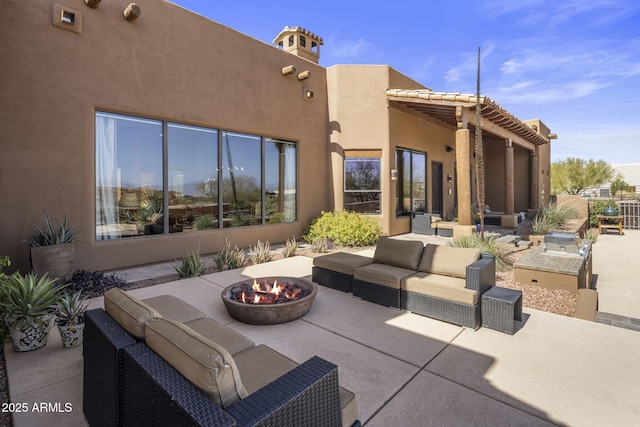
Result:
x=533 y=179
x=463 y=142
x=509 y=179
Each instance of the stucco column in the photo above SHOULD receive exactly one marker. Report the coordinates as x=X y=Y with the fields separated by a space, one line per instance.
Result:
x=463 y=142
x=533 y=177
x=509 y=187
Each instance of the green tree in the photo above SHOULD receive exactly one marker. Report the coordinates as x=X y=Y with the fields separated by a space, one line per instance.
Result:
x=618 y=184
x=573 y=175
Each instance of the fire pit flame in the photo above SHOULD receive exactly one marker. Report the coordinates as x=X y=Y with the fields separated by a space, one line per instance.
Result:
x=267 y=293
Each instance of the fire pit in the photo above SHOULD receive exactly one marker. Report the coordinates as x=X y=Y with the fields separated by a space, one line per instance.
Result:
x=269 y=301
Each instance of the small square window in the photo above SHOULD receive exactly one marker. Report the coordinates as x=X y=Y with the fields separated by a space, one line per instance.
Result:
x=68 y=17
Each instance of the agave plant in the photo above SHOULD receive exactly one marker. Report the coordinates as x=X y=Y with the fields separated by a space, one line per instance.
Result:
x=230 y=258
x=191 y=265
x=260 y=253
x=28 y=298
x=53 y=232
x=71 y=308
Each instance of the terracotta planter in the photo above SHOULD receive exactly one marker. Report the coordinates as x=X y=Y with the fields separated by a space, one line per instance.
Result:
x=55 y=260
x=31 y=336
x=71 y=335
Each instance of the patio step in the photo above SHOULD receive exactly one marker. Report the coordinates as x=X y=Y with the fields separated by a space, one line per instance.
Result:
x=618 y=321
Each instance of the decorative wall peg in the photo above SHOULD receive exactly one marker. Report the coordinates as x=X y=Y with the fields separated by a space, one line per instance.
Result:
x=132 y=12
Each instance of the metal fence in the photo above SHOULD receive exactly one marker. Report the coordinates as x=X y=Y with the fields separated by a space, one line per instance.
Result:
x=631 y=213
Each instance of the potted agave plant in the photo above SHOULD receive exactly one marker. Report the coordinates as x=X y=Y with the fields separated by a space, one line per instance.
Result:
x=30 y=303
x=52 y=248
x=70 y=318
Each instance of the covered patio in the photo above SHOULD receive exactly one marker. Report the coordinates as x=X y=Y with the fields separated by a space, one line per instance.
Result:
x=514 y=151
x=406 y=369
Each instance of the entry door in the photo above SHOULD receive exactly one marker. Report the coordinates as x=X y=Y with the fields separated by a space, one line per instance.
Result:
x=436 y=188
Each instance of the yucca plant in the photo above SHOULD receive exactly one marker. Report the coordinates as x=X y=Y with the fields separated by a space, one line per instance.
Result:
x=71 y=308
x=488 y=245
x=260 y=253
x=191 y=266
x=28 y=298
x=322 y=245
x=230 y=258
x=52 y=232
x=290 y=247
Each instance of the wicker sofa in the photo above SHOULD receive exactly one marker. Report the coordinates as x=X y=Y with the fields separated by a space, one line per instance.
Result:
x=160 y=361
x=437 y=281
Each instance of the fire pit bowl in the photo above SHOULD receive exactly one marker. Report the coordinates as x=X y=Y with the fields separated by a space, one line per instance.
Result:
x=274 y=313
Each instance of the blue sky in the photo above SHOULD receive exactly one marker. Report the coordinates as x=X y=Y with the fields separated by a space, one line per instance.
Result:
x=574 y=64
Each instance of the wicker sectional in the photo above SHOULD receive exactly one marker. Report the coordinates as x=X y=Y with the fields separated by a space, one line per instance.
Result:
x=176 y=374
x=437 y=281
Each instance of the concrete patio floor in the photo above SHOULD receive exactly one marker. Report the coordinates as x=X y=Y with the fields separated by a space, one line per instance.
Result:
x=407 y=369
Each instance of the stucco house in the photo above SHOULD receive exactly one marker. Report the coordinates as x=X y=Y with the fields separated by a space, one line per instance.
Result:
x=168 y=132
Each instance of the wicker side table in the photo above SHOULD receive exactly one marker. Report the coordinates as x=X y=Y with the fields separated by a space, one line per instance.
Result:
x=500 y=308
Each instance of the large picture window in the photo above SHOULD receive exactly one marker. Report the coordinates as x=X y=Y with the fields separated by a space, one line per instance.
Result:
x=155 y=177
x=362 y=184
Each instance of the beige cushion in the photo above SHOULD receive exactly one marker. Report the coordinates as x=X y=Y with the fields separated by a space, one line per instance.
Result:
x=130 y=313
x=174 y=308
x=342 y=262
x=231 y=340
x=206 y=364
x=251 y=364
x=382 y=274
x=261 y=365
x=399 y=253
x=447 y=260
x=438 y=286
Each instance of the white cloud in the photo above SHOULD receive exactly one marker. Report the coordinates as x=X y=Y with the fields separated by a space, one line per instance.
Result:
x=351 y=50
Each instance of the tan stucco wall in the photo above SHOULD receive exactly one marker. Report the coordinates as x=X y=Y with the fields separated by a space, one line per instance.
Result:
x=361 y=119
x=169 y=64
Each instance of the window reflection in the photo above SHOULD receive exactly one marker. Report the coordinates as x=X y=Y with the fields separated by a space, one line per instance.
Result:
x=204 y=168
x=193 y=178
x=362 y=185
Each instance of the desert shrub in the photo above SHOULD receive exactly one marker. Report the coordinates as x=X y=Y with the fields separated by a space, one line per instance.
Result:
x=206 y=222
x=591 y=234
x=322 y=245
x=540 y=225
x=290 y=247
x=596 y=209
x=230 y=258
x=552 y=217
x=344 y=228
x=94 y=283
x=260 y=253
x=487 y=246
x=557 y=216
x=191 y=266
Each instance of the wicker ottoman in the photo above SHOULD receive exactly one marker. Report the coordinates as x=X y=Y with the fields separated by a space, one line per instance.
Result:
x=500 y=308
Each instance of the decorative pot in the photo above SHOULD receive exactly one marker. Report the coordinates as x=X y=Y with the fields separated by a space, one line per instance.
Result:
x=55 y=260
x=71 y=335
x=31 y=336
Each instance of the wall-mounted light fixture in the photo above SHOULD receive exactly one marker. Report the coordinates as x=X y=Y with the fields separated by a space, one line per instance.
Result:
x=449 y=148
x=288 y=70
x=394 y=174
x=132 y=12
x=449 y=178
x=93 y=4
x=304 y=75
